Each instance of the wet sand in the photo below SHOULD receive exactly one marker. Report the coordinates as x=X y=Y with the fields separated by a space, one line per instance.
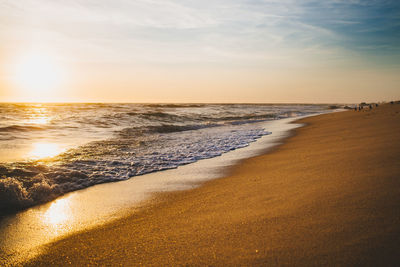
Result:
x=329 y=196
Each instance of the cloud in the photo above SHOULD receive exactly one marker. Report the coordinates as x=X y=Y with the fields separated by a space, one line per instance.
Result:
x=194 y=31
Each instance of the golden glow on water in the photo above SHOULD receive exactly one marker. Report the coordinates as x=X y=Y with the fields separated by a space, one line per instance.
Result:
x=39 y=120
x=39 y=115
x=45 y=150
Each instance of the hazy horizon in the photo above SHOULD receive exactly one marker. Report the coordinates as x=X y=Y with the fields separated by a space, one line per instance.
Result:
x=173 y=51
x=195 y=103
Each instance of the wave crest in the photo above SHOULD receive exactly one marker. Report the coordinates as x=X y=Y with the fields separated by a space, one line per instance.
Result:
x=21 y=191
x=13 y=195
x=170 y=128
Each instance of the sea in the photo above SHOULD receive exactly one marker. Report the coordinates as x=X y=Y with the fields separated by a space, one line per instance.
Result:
x=50 y=149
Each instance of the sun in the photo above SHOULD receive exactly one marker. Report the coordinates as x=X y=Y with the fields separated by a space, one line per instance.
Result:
x=38 y=75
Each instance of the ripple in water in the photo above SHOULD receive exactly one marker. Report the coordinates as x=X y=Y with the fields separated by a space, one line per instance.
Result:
x=112 y=142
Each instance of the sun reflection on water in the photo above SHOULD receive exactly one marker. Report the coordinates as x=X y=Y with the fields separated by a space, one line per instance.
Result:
x=39 y=119
x=45 y=150
x=38 y=115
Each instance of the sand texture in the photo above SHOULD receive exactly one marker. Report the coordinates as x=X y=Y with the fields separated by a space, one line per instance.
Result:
x=330 y=195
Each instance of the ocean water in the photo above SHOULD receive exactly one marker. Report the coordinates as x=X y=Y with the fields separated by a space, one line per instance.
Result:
x=47 y=150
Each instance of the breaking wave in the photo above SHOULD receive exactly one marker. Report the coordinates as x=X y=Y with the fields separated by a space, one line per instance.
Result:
x=30 y=183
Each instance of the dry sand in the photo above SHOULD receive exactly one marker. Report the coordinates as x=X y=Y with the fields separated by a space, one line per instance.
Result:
x=329 y=196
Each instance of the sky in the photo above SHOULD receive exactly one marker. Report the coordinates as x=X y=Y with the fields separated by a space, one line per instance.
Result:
x=243 y=51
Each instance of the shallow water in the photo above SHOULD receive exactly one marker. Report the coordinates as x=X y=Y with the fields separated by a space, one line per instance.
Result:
x=48 y=150
x=23 y=235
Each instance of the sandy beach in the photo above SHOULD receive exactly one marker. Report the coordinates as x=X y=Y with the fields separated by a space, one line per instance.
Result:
x=330 y=195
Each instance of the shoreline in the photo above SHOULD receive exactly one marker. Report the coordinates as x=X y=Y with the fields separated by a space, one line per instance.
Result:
x=102 y=204
x=328 y=195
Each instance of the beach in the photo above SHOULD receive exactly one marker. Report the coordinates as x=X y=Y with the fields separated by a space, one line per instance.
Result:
x=330 y=195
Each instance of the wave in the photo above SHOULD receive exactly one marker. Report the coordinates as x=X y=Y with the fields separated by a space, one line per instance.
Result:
x=20 y=128
x=159 y=115
x=176 y=105
x=247 y=117
x=170 y=128
x=121 y=141
x=14 y=196
x=26 y=184
x=163 y=128
x=152 y=114
x=156 y=114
